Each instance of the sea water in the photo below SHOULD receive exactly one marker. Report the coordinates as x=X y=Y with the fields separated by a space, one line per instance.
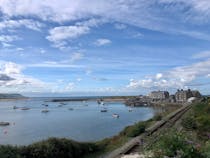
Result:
x=85 y=122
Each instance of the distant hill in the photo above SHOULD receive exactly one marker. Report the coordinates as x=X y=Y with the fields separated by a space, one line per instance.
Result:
x=11 y=96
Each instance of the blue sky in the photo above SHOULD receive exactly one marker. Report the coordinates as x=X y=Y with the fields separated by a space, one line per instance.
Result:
x=106 y=47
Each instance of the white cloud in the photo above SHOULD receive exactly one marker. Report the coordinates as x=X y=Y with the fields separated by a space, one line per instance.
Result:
x=102 y=42
x=27 y=23
x=49 y=64
x=60 y=33
x=88 y=72
x=42 y=51
x=11 y=68
x=140 y=13
x=100 y=78
x=70 y=86
x=76 y=56
x=8 y=38
x=178 y=77
x=12 y=77
x=79 y=79
x=159 y=75
x=204 y=54
x=19 y=49
x=5 y=45
x=120 y=26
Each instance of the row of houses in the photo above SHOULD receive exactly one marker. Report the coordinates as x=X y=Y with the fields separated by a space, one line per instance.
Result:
x=180 y=96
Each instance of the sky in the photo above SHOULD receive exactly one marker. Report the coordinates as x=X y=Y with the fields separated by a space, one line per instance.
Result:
x=106 y=47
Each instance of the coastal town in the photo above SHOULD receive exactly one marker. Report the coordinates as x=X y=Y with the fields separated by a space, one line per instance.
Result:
x=158 y=97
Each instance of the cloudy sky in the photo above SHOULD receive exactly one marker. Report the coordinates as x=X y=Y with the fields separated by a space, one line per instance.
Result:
x=104 y=47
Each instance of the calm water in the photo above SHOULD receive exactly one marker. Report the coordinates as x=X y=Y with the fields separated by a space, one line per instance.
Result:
x=84 y=123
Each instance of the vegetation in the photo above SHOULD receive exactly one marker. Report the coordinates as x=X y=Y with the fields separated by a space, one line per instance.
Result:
x=175 y=144
x=157 y=117
x=193 y=141
x=50 y=148
x=134 y=130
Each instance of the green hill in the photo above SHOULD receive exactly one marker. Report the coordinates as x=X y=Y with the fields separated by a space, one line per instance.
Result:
x=10 y=96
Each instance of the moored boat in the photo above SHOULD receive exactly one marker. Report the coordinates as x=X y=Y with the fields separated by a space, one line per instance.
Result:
x=4 y=123
x=45 y=111
x=103 y=110
x=115 y=115
x=25 y=108
x=15 y=107
x=130 y=110
x=45 y=105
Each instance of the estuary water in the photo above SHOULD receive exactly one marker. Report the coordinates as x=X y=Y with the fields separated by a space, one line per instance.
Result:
x=83 y=122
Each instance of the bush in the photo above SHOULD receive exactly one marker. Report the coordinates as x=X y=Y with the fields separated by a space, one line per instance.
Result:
x=157 y=117
x=51 y=148
x=174 y=144
x=206 y=149
x=9 y=152
x=134 y=130
x=189 y=123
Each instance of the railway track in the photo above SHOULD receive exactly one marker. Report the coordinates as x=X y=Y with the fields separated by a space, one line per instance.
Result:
x=145 y=140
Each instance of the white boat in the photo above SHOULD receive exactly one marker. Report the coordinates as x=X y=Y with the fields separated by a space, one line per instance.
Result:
x=45 y=111
x=130 y=110
x=115 y=115
x=104 y=110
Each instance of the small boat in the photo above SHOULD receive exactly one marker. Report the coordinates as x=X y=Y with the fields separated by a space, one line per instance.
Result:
x=60 y=105
x=115 y=115
x=4 y=123
x=71 y=109
x=24 y=108
x=46 y=105
x=98 y=101
x=130 y=110
x=104 y=110
x=15 y=107
x=63 y=103
x=45 y=111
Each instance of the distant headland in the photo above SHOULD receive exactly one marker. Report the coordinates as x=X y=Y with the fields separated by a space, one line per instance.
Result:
x=11 y=96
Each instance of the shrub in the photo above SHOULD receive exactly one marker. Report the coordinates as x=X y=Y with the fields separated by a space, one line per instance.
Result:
x=206 y=149
x=174 y=144
x=134 y=130
x=9 y=152
x=157 y=117
x=51 y=148
x=189 y=123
